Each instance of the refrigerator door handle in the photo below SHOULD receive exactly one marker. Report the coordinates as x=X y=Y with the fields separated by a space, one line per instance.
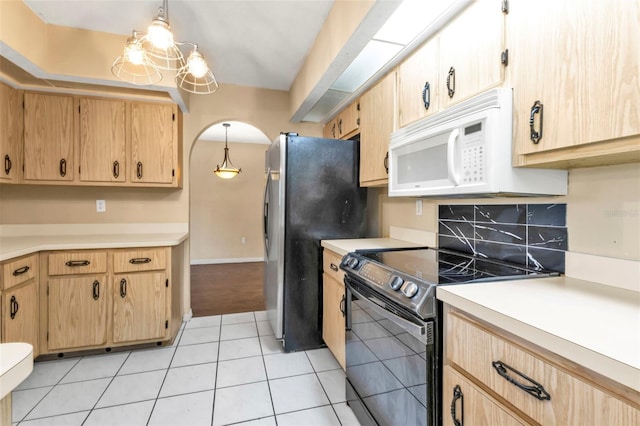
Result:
x=265 y=222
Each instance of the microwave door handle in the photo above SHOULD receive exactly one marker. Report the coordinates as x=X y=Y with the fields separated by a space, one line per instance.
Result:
x=451 y=149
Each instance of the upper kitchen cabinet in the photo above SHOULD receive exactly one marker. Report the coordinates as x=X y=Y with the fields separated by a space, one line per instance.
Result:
x=418 y=84
x=377 y=109
x=345 y=125
x=48 y=137
x=575 y=74
x=472 y=52
x=10 y=132
x=102 y=141
x=154 y=143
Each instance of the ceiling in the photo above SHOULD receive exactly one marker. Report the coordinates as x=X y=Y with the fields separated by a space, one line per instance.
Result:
x=264 y=43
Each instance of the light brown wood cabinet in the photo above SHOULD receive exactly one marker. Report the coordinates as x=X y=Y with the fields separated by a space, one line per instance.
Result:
x=345 y=125
x=10 y=133
x=103 y=140
x=560 y=392
x=377 y=110
x=333 y=306
x=49 y=137
x=574 y=70
x=94 y=299
x=19 y=298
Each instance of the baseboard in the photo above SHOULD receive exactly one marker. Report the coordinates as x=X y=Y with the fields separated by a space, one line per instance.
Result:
x=229 y=260
x=187 y=316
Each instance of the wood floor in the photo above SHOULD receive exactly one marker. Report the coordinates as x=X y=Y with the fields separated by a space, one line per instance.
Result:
x=226 y=288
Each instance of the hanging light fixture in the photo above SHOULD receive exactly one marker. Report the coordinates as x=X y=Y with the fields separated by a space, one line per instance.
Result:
x=148 y=52
x=227 y=170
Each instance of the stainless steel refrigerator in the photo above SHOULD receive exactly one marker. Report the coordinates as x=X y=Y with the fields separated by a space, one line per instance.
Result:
x=311 y=194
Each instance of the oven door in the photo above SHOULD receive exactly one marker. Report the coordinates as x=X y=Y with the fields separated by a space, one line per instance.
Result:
x=391 y=362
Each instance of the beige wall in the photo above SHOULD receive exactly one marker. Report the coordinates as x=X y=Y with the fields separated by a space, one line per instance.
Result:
x=224 y=211
x=603 y=210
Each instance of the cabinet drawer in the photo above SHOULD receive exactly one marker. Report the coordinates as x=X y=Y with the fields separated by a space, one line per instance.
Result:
x=73 y=263
x=571 y=400
x=140 y=260
x=331 y=265
x=19 y=271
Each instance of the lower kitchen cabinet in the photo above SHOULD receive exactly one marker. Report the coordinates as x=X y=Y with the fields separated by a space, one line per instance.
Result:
x=538 y=387
x=77 y=312
x=333 y=302
x=19 y=311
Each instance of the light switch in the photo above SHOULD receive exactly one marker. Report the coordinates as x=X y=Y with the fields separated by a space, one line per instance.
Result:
x=418 y=207
x=101 y=206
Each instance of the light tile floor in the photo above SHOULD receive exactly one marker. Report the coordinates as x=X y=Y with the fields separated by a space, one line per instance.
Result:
x=224 y=369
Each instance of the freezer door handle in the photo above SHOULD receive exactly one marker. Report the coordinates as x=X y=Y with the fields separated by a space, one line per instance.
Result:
x=265 y=222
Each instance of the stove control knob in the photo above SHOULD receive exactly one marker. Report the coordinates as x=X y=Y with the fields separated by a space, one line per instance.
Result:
x=396 y=282
x=352 y=262
x=410 y=289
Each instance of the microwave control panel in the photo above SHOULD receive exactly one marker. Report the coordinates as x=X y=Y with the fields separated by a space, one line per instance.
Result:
x=472 y=152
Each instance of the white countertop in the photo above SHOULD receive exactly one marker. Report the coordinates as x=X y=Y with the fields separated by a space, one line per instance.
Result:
x=16 y=363
x=20 y=240
x=594 y=325
x=343 y=247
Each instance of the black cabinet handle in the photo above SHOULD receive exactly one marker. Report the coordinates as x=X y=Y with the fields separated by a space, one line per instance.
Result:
x=7 y=164
x=334 y=267
x=385 y=163
x=457 y=395
x=333 y=130
x=74 y=263
x=13 y=309
x=139 y=170
x=96 y=290
x=340 y=127
x=343 y=302
x=139 y=260
x=537 y=390
x=451 y=82
x=123 y=288
x=116 y=169
x=21 y=271
x=63 y=167
x=426 y=95
x=537 y=108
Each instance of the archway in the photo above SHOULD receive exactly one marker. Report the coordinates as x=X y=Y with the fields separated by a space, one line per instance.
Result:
x=225 y=215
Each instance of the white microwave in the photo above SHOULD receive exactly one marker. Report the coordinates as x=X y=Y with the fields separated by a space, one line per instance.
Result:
x=465 y=151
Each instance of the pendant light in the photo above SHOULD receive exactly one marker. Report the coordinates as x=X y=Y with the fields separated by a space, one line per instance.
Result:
x=227 y=170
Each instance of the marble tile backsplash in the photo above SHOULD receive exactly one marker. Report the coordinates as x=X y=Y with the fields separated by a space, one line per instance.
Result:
x=528 y=234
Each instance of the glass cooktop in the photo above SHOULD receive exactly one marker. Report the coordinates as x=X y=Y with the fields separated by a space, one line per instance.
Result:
x=449 y=267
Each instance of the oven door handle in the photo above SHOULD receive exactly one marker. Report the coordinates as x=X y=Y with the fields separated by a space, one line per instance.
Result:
x=417 y=331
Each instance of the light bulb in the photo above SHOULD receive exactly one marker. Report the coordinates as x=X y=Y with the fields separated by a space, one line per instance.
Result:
x=134 y=53
x=197 y=65
x=160 y=34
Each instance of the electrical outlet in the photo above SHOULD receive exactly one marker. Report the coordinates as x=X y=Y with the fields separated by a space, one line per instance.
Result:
x=101 y=206
x=418 y=207
x=243 y=240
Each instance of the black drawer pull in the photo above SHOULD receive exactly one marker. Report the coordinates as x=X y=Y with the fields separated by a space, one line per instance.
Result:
x=451 y=82
x=535 y=135
x=123 y=288
x=385 y=163
x=457 y=395
x=139 y=170
x=536 y=390
x=333 y=267
x=21 y=271
x=139 y=260
x=13 y=309
x=63 y=167
x=116 y=169
x=426 y=95
x=96 y=290
x=7 y=164
x=74 y=263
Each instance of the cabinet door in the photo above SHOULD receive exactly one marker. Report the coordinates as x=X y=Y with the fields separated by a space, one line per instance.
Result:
x=349 y=120
x=580 y=60
x=139 y=307
x=10 y=132
x=329 y=130
x=418 y=84
x=469 y=405
x=470 y=49
x=49 y=134
x=20 y=315
x=102 y=140
x=377 y=111
x=152 y=143
x=333 y=323
x=77 y=312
